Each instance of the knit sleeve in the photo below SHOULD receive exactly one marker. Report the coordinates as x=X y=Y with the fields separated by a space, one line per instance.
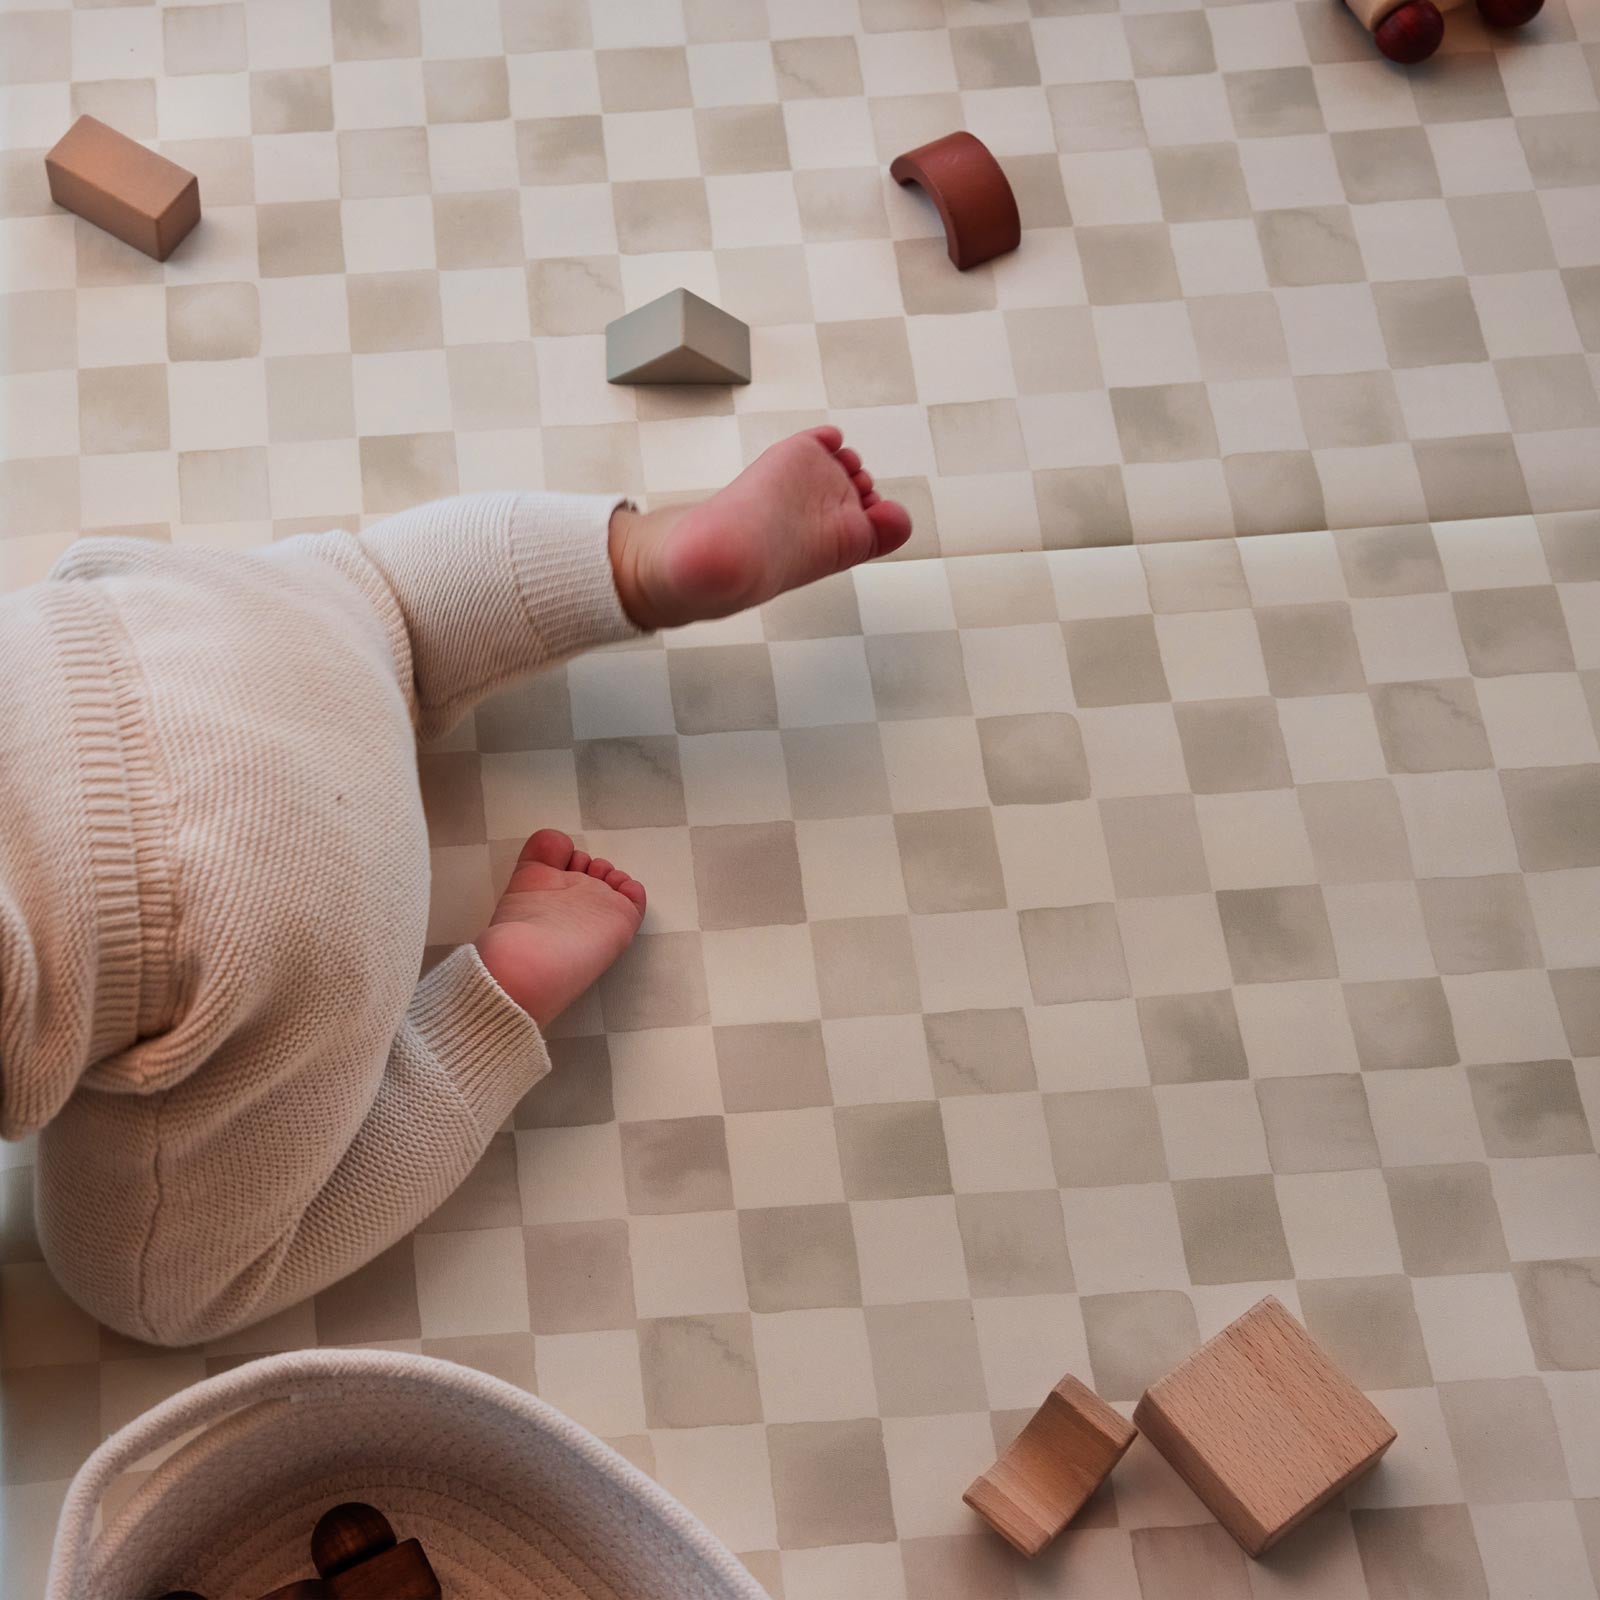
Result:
x=482 y=589
x=181 y=1218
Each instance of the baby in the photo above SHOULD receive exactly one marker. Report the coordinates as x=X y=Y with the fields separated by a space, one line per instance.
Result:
x=214 y=866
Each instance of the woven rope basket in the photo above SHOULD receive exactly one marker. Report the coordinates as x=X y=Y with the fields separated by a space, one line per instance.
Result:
x=511 y=1500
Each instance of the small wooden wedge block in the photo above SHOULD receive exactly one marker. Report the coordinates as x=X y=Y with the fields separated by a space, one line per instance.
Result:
x=678 y=338
x=1058 y=1460
x=1262 y=1426
x=117 y=184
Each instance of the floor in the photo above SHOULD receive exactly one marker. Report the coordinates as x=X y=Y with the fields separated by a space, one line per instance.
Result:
x=1053 y=948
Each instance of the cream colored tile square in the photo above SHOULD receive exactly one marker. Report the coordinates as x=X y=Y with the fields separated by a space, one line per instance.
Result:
x=783 y=1158
x=1473 y=1326
x=594 y=1378
x=1011 y=671
x=933 y=763
x=997 y=1142
x=725 y=1474
x=829 y=1571
x=850 y=867
x=1173 y=944
x=471 y=1282
x=378 y=94
x=687 y=1264
x=1254 y=840
x=1211 y=1130
x=406 y=391
x=1123 y=1238
x=1549 y=1205
x=1295 y=1029
x=760 y=975
x=1420 y=1466
x=122 y=326
x=484 y=305
x=821 y=682
x=1378 y=931
x=1331 y=737
x=1424 y=1117
x=1052 y=855
x=814 y=1366
x=1338 y=1224
x=1134 y=750
x=1537 y=719
x=1504 y=1016
x=909 y=1250
x=931 y=1462
x=970 y=958
x=304 y=316
x=873 y=1060
x=570 y=1174
x=1025 y=1343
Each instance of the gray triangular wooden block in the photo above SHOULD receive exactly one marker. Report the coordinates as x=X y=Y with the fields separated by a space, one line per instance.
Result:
x=678 y=338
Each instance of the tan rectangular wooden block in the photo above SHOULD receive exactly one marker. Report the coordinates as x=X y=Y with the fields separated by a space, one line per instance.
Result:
x=1262 y=1425
x=117 y=184
x=1058 y=1460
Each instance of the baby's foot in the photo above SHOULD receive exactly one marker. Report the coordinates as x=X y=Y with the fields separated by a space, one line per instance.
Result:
x=802 y=510
x=562 y=921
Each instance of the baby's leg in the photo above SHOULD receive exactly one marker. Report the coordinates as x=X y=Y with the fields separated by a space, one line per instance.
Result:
x=803 y=510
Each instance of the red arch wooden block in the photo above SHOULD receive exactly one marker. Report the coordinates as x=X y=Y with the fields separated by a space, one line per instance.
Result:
x=973 y=195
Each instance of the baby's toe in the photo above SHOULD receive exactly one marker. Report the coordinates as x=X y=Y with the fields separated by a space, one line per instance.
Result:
x=599 y=867
x=849 y=460
x=549 y=847
x=580 y=861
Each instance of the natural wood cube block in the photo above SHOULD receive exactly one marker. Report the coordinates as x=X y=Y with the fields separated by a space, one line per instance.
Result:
x=1262 y=1426
x=1058 y=1460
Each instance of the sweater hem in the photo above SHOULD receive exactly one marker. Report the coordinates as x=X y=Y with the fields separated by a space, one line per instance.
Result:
x=123 y=824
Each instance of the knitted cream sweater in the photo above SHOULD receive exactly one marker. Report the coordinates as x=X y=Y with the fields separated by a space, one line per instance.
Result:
x=214 y=895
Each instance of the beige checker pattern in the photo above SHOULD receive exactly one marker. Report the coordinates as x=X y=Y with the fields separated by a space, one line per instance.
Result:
x=1268 y=281
x=1049 y=954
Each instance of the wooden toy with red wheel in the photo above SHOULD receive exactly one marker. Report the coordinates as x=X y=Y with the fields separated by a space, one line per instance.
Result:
x=1411 y=30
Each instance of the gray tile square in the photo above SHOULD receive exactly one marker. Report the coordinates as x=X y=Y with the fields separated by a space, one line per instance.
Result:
x=676 y=1164
x=1563 y=148
x=950 y=860
x=821 y=68
x=377 y=1301
x=747 y=875
x=1555 y=816
x=1232 y=1232
x=1115 y=661
x=1317 y=1124
x=1399 y=1023
x=1561 y=1301
x=1530 y=1108
x=997 y=56
x=576 y=1093
x=1230 y=746
x=1356 y=831
x=1429 y=322
x=1431 y=726
x=1547 y=392
x=1014 y=1243
x=979 y=1052
x=722 y=688
x=630 y=783
x=918 y=675
x=52 y=1421
x=1033 y=758
x=1073 y=953
x=1082 y=506
x=734 y=139
x=536 y=715
x=772 y=1066
x=1369 y=1327
x=1501 y=232
x=1154 y=845
x=1103 y=1137
x=1137 y=1337
x=890 y=1152
x=1390 y=561
x=1126 y=263
x=867 y=363
x=799 y=1257
x=1268 y=102
x=1309 y=245
x=1477 y=476
x=1503 y=1433
x=1165 y=422
x=1197 y=182
x=1513 y=630
x=661 y=214
x=647 y=78
x=1275 y=491
x=1192 y=1038
x=836 y=772
x=830 y=1483
x=1377 y=164
x=1479 y=924
x=1577 y=993
x=1239 y=336
x=1169 y=43
x=1346 y=410
x=865 y=967
x=699 y=1372
x=925 y=1359
x=1277 y=935
x=1310 y=649
x=1446 y=1219
x=660 y=982
x=580 y=1276
x=1417 y=1550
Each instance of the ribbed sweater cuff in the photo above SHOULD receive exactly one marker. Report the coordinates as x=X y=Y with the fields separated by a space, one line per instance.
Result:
x=487 y=1044
x=560 y=552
